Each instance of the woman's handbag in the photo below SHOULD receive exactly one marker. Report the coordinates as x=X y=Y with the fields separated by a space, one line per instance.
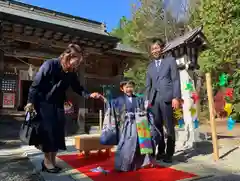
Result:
x=110 y=131
x=29 y=129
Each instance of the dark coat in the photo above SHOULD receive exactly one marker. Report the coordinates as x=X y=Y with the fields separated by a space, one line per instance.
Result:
x=47 y=93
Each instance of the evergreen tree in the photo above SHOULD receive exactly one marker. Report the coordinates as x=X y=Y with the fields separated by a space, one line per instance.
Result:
x=148 y=21
x=221 y=24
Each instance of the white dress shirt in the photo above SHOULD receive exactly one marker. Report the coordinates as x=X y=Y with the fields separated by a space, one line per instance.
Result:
x=158 y=62
x=130 y=99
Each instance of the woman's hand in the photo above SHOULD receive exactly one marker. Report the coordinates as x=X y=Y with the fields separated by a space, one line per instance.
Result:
x=96 y=95
x=29 y=107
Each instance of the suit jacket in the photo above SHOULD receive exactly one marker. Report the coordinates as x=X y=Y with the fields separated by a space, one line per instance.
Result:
x=164 y=80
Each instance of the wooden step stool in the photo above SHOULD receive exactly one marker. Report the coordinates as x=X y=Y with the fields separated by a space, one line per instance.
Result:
x=90 y=142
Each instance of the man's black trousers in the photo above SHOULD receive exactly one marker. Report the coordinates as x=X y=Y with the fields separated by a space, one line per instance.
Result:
x=163 y=116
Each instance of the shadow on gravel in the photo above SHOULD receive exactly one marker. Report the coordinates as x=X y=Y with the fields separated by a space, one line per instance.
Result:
x=17 y=168
x=6 y=144
x=229 y=152
x=227 y=177
x=223 y=136
x=9 y=132
x=13 y=166
x=200 y=148
x=9 y=127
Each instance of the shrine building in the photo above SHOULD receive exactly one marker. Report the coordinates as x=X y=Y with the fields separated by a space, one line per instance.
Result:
x=29 y=35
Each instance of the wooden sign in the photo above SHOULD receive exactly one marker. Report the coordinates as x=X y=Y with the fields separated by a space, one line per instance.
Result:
x=8 y=100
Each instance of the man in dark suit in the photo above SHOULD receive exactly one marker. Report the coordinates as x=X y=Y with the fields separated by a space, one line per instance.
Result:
x=163 y=92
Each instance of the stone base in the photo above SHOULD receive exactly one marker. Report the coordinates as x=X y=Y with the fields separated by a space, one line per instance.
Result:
x=187 y=139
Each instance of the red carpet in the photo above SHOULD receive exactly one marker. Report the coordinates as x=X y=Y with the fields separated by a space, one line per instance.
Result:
x=84 y=165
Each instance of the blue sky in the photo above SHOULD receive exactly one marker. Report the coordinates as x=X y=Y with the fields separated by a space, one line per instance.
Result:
x=108 y=11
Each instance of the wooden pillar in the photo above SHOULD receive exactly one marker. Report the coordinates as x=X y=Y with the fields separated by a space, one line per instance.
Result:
x=1 y=62
x=100 y=120
x=81 y=104
x=1 y=74
x=212 y=117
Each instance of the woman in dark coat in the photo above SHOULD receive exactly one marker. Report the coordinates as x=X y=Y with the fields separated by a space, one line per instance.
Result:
x=47 y=97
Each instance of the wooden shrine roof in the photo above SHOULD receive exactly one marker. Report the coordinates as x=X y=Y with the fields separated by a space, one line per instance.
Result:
x=184 y=39
x=16 y=16
x=127 y=48
x=29 y=12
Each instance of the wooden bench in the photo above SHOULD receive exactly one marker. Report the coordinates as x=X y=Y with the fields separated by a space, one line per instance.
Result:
x=91 y=142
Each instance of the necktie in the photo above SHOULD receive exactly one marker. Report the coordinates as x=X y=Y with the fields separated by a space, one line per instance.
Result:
x=158 y=63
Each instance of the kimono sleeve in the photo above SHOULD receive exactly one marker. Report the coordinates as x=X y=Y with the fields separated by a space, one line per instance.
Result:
x=117 y=104
x=80 y=90
x=38 y=81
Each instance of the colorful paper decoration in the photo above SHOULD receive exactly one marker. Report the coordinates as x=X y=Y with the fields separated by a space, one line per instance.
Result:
x=193 y=111
x=231 y=123
x=144 y=136
x=223 y=79
x=139 y=95
x=229 y=93
x=228 y=108
x=196 y=123
x=195 y=97
x=180 y=123
x=178 y=114
x=189 y=86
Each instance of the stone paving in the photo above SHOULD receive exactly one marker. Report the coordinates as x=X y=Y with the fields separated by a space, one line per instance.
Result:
x=198 y=161
x=16 y=167
x=15 y=164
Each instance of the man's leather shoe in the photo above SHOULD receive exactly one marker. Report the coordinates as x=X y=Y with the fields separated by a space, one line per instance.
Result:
x=160 y=156
x=167 y=159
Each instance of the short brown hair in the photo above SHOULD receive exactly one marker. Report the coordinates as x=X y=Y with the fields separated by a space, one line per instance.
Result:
x=73 y=48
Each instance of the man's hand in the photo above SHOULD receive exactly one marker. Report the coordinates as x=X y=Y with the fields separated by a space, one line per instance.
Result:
x=147 y=104
x=175 y=104
x=29 y=107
